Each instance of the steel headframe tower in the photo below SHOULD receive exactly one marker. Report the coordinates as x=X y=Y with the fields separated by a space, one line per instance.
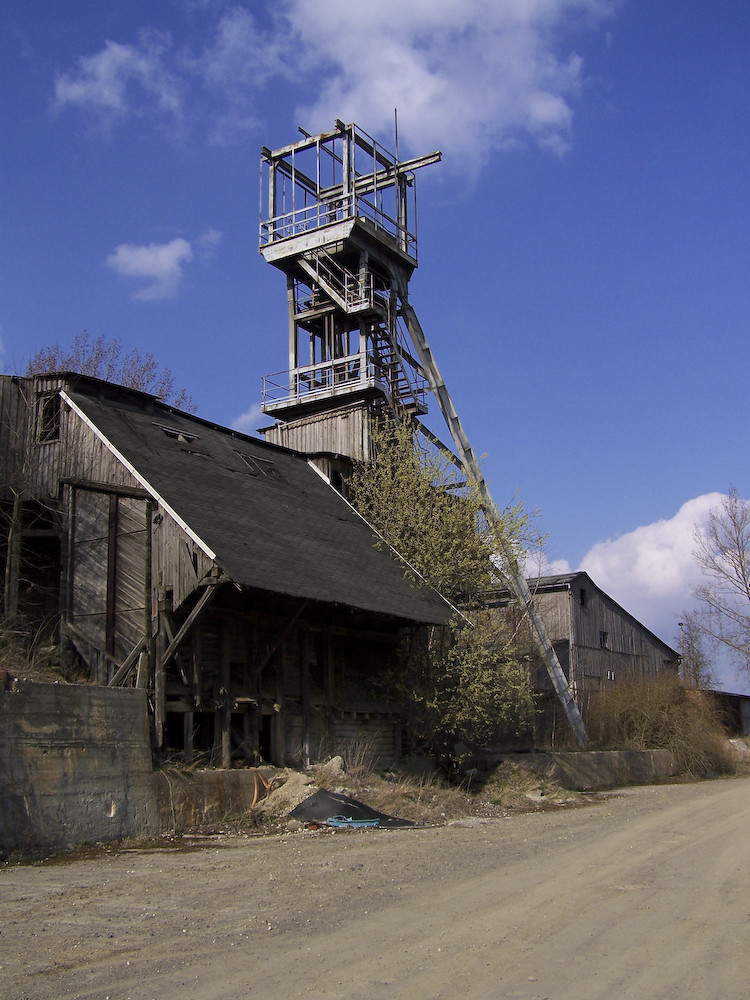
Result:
x=340 y=222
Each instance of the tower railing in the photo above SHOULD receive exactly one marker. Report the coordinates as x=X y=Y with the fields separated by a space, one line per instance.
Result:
x=343 y=375
x=327 y=212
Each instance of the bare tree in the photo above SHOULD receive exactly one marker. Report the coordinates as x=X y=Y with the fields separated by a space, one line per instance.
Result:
x=106 y=359
x=696 y=668
x=723 y=554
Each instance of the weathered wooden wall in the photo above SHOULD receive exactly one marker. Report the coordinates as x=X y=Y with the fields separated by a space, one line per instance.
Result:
x=15 y=437
x=178 y=563
x=249 y=672
x=343 y=432
x=108 y=569
x=609 y=645
x=597 y=642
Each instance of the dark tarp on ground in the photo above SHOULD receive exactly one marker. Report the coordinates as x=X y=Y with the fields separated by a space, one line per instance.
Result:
x=321 y=806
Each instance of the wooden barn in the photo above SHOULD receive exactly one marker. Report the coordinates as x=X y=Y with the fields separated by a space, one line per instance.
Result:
x=597 y=641
x=222 y=573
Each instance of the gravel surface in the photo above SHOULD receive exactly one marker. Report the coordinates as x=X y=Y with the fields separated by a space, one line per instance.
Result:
x=643 y=894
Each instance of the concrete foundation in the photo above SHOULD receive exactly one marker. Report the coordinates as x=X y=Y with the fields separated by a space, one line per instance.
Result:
x=190 y=799
x=75 y=766
x=599 y=769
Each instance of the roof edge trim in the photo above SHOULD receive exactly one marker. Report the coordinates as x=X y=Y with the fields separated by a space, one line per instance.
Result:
x=134 y=472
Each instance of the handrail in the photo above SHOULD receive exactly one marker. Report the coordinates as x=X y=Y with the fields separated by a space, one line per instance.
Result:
x=298 y=221
x=347 y=372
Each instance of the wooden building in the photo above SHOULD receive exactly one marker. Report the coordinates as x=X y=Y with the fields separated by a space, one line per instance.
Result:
x=222 y=573
x=597 y=641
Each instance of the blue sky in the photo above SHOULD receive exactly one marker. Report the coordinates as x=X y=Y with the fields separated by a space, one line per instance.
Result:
x=584 y=245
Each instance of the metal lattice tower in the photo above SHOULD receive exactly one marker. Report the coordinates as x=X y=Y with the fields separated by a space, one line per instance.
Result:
x=340 y=222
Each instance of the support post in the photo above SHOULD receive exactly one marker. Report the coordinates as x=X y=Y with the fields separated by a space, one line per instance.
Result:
x=111 y=623
x=225 y=696
x=187 y=736
x=304 y=656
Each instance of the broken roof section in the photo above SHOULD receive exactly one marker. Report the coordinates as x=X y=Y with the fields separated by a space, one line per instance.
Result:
x=263 y=513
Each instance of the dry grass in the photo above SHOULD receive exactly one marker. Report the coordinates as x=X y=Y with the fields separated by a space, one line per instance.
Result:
x=514 y=787
x=428 y=800
x=28 y=655
x=659 y=713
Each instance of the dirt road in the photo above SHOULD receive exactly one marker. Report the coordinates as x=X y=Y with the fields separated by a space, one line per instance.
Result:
x=646 y=895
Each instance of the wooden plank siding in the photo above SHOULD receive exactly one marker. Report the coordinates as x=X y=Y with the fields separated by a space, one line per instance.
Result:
x=179 y=564
x=608 y=645
x=598 y=642
x=108 y=570
x=258 y=670
x=344 y=432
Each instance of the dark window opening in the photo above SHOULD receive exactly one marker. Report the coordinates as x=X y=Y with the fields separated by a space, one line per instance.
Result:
x=603 y=640
x=48 y=417
x=583 y=597
x=177 y=434
x=264 y=737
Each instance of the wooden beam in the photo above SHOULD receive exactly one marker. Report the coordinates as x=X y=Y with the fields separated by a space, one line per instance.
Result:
x=143 y=673
x=188 y=730
x=109 y=488
x=128 y=662
x=186 y=627
x=225 y=711
x=304 y=658
x=111 y=617
x=281 y=637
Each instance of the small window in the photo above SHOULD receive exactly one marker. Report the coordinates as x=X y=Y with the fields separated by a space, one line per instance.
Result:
x=610 y=675
x=583 y=597
x=48 y=417
x=604 y=640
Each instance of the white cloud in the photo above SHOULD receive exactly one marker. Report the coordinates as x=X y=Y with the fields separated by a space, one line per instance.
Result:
x=248 y=421
x=650 y=570
x=467 y=76
x=537 y=564
x=233 y=69
x=160 y=264
x=207 y=243
x=124 y=80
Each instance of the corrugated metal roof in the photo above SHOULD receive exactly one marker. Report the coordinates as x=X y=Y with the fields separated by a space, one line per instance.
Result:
x=270 y=519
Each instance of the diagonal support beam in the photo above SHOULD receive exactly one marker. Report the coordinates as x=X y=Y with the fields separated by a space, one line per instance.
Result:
x=517 y=580
x=187 y=626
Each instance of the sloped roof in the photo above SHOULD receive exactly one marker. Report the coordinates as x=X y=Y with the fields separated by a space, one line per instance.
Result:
x=563 y=581
x=266 y=516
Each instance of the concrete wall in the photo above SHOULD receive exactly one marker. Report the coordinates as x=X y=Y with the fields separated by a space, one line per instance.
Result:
x=75 y=766
x=598 y=769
